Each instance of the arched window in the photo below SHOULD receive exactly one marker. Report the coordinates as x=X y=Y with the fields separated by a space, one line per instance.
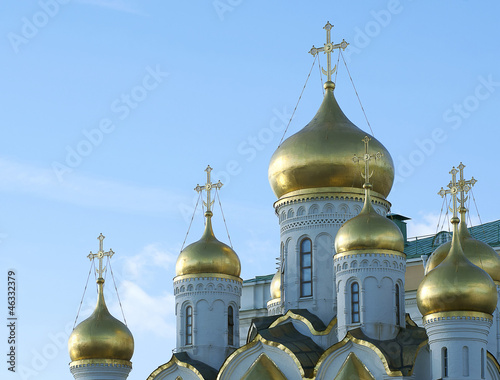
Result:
x=444 y=352
x=306 y=268
x=189 y=326
x=398 y=315
x=354 y=302
x=465 y=360
x=230 y=326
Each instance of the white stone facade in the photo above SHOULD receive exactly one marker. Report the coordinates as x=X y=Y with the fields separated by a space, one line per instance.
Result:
x=210 y=335
x=317 y=217
x=380 y=293
x=458 y=344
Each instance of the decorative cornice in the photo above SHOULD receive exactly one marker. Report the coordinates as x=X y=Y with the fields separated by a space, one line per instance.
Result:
x=456 y=315
x=367 y=253
x=201 y=276
x=101 y=362
x=174 y=361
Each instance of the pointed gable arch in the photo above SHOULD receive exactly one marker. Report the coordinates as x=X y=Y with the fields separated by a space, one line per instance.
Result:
x=353 y=368
x=262 y=369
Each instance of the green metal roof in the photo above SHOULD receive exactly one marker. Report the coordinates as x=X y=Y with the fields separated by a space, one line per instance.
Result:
x=267 y=277
x=425 y=245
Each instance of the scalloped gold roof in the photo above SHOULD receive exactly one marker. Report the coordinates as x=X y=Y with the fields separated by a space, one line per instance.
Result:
x=320 y=155
x=101 y=336
x=208 y=255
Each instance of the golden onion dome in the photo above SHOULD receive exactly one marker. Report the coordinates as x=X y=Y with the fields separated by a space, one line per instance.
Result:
x=369 y=231
x=456 y=284
x=320 y=155
x=479 y=253
x=208 y=255
x=101 y=336
x=275 y=287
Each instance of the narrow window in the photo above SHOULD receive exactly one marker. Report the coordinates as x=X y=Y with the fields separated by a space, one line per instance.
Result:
x=465 y=359
x=230 y=326
x=482 y=363
x=355 y=302
x=398 y=315
x=306 y=268
x=445 y=361
x=189 y=326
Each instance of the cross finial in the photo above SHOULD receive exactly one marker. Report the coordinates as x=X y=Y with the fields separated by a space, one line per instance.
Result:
x=367 y=157
x=328 y=48
x=208 y=188
x=100 y=255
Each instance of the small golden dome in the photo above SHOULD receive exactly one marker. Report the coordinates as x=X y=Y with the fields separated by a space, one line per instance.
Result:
x=456 y=284
x=101 y=336
x=208 y=255
x=479 y=253
x=320 y=155
x=369 y=231
x=275 y=288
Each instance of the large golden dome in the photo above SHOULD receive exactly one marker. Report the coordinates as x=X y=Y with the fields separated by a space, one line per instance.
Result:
x=369 y=231
x=101 y=336
x=320 y=155
x=208 y=255
x=456 y=284
x=275 y=287
x=479 y=253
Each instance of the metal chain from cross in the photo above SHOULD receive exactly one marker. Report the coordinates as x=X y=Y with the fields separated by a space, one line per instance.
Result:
x=453 y=190
x=367 y=157
x=208 y=188
x=100 y=255
x=328 y=49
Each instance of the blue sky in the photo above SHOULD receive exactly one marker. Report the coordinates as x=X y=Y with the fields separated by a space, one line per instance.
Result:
x=112 y=109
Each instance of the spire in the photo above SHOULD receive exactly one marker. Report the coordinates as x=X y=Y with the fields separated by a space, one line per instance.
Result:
x=328 y=48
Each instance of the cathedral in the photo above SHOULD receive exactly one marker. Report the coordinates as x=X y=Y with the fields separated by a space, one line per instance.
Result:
x=353 y=298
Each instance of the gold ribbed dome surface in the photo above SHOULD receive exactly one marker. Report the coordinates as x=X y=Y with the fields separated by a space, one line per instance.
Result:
x=101 y=336
x=208 y=255
x=320 y=155
x=369 y=231
x=275 y=288
x=456 y=285
x=479 y=253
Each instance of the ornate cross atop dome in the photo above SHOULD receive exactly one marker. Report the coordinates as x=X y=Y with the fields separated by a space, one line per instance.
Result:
x=367 y=157
x=464 y=186
x=328 y=48
x=100 y=255
x=453 y=190
x=208 y=188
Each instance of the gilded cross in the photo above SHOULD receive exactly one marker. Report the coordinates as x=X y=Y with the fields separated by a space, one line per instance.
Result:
x=367 y=157
x=464 y=186
x=100 y=255
x=453 y=190
x=208 y=188
x=328 y=48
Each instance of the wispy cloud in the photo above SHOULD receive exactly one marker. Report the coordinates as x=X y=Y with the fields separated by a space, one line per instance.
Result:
x=115 y=5
x=148 y=261
x=86 y=191
x=145 y=312
x=427 y=224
